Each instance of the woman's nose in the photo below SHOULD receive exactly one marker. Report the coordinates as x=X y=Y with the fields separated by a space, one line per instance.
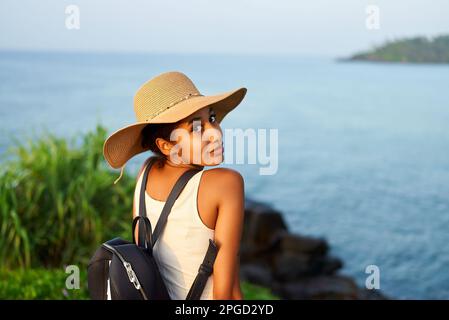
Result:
x=213 y=132
x=216 y=136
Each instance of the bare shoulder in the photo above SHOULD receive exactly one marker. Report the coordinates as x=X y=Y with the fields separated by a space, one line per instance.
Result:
x=220 y=177
x=223 y=183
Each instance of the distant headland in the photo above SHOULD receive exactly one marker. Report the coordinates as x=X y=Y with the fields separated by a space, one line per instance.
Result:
x=408 y=50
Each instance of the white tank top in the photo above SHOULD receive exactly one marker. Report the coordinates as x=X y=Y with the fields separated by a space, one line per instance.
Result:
x=182 y=245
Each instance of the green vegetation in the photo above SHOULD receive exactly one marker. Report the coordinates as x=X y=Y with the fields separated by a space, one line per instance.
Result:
x=46 y=284
x=40 y=284
x=412 y=50
x=58 y=203
x=255 y=292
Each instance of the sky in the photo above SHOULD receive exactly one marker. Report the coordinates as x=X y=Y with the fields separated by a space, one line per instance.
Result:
x=329 y=28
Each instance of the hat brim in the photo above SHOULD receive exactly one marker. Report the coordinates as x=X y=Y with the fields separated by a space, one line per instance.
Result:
x=125 y=143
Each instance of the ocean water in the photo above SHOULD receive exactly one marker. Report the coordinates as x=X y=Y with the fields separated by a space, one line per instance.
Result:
x=363 y=152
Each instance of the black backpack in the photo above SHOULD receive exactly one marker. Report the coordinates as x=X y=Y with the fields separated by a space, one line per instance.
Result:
x=121 y=270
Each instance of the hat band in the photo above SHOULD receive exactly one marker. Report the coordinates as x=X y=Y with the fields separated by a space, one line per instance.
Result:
x=188 y=96
x=185 y=98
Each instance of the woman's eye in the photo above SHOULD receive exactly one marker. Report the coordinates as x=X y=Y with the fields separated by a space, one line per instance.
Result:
x=213 y=118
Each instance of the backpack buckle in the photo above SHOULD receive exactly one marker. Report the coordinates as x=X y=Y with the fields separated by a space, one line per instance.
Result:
x=205 y=269
x=132 y=275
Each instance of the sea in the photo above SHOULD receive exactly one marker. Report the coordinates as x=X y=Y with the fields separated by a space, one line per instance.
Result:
x=359 y=153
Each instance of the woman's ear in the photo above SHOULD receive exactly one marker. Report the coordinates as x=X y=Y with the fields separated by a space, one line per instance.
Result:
x=164 y=146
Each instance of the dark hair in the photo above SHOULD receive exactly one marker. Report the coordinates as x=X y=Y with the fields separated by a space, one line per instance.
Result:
x=153 y=131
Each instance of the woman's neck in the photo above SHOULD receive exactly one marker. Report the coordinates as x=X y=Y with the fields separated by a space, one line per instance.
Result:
x=184 y=165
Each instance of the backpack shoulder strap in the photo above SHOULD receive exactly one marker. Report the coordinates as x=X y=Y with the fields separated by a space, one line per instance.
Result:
x=205 y=270
x=174 y=193
x=206 y=267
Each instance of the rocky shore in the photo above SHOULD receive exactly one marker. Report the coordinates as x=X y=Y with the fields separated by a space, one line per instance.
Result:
x=291 y=265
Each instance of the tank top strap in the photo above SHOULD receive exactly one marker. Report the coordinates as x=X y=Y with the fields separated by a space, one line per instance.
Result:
x=195 y=211
x=189 y=193
x=196 y=179
x=137 y=192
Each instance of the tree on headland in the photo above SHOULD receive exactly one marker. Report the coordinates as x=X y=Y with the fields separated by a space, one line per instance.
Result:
x=409 y=50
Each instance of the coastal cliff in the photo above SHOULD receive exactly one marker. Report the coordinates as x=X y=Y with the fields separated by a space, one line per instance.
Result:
x=410 y=50
x=291 y=265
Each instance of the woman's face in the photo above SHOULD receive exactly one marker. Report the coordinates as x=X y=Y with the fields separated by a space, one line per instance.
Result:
x=196 y=140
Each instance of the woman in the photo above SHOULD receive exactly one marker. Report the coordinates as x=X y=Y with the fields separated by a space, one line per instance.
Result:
x=181 y=127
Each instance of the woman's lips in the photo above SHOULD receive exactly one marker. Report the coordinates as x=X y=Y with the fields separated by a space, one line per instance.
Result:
x=217 y=151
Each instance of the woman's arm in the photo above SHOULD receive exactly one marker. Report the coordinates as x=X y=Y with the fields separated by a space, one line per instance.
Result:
x=228 y=231
x=237 y=291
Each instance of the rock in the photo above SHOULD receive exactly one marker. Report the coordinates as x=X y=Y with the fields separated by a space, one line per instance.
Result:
x=300 y=244
x=288 y=266
x=291 y=265
x=321 y=287
x=261 y=224
x=257 y=274
x=374 y=294
x=250 y=255
x=326 y=265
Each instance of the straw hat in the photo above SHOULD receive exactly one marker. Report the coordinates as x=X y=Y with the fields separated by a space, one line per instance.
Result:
x=167 y=98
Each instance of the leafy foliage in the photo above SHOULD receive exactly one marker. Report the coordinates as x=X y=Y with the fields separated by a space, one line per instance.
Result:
x=50 y=284
x=40 y=284
x=58 y=202
x=416 y=50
